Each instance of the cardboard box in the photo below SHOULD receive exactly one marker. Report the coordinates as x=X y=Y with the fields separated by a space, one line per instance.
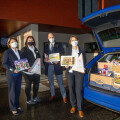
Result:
x=115 y=87
x=101 y=65
x=116 y=68
x=104 y=82
x=116 y=83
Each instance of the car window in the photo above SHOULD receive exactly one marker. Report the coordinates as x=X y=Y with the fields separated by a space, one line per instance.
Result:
x=110 y=37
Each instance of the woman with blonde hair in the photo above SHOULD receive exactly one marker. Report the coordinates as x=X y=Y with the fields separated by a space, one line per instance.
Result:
x=75 y=78
x=12 y=75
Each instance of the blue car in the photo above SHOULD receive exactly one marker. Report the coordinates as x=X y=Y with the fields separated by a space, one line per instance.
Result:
x=102 y=78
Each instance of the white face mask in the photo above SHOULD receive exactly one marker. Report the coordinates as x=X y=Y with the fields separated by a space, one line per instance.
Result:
x=74 y=43
x=14 y=44
x=51 y=40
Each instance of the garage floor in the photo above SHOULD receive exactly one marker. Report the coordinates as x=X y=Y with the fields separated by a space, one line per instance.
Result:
x=55 y=110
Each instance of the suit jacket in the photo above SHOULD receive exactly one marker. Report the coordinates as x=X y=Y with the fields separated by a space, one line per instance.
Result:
x=27 y=53
x=8 y=61
x=69 y=53
x=56 y=49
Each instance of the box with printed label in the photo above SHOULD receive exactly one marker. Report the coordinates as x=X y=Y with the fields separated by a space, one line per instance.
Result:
x=104 y=82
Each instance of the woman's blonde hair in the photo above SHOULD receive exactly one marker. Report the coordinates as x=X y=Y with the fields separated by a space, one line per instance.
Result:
x=9 y=40
x=74 y=37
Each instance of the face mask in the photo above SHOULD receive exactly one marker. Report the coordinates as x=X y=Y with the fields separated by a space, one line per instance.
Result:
x=31 y=43
x=74 y=43
x=14 y=44
x=51 y=40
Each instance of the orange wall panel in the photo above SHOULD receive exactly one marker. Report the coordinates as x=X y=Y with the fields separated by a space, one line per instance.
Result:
x=109 y=3
x=52 y=12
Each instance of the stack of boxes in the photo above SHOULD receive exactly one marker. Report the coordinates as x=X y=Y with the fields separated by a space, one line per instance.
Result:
x=108 y=76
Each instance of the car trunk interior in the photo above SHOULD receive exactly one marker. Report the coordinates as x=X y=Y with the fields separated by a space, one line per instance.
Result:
x=105 y=73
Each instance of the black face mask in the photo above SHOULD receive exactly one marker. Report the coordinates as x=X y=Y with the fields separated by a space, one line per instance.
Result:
x=31 y=43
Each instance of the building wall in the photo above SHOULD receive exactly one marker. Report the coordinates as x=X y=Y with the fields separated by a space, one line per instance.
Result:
x=51 y=12
x=87 y=38
x=20 y=34
x=108 y=3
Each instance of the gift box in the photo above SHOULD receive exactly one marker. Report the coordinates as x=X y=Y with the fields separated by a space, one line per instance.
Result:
x=101 y=65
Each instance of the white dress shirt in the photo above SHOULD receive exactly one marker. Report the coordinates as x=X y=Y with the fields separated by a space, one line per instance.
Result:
x=51 y=45
x=33 y=50
x=16 y=53
x=51 y=48
x=76 y=55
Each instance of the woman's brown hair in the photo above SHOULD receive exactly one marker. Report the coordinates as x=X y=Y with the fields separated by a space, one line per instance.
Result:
x=9 y=40
x=26 y=42
x=72 y=37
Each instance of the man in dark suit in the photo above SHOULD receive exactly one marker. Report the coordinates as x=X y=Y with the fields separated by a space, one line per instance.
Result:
x=54 y=67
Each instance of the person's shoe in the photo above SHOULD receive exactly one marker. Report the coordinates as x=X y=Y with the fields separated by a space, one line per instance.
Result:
x=65 y=100
x=72 y=110
x=20 y=109
x=36 y=100
x=51 y=98
x=81 y=114
x=30 y=102
x=15 y=113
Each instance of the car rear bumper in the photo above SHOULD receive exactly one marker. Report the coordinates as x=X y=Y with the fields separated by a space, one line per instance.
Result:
x=102 y=98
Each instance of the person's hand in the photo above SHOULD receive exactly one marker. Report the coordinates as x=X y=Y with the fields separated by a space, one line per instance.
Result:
x=56 y=62
x=46 y=60
x=15 y=71
x=67 y=66
x=29 y=69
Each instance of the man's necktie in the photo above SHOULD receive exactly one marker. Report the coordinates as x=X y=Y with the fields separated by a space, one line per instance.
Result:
x=51 y=47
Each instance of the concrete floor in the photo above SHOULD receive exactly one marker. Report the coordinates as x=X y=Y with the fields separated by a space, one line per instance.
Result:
x=55 y=110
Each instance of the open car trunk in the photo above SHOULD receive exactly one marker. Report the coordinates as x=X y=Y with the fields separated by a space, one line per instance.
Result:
x=105 y=73
x=105 y=24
